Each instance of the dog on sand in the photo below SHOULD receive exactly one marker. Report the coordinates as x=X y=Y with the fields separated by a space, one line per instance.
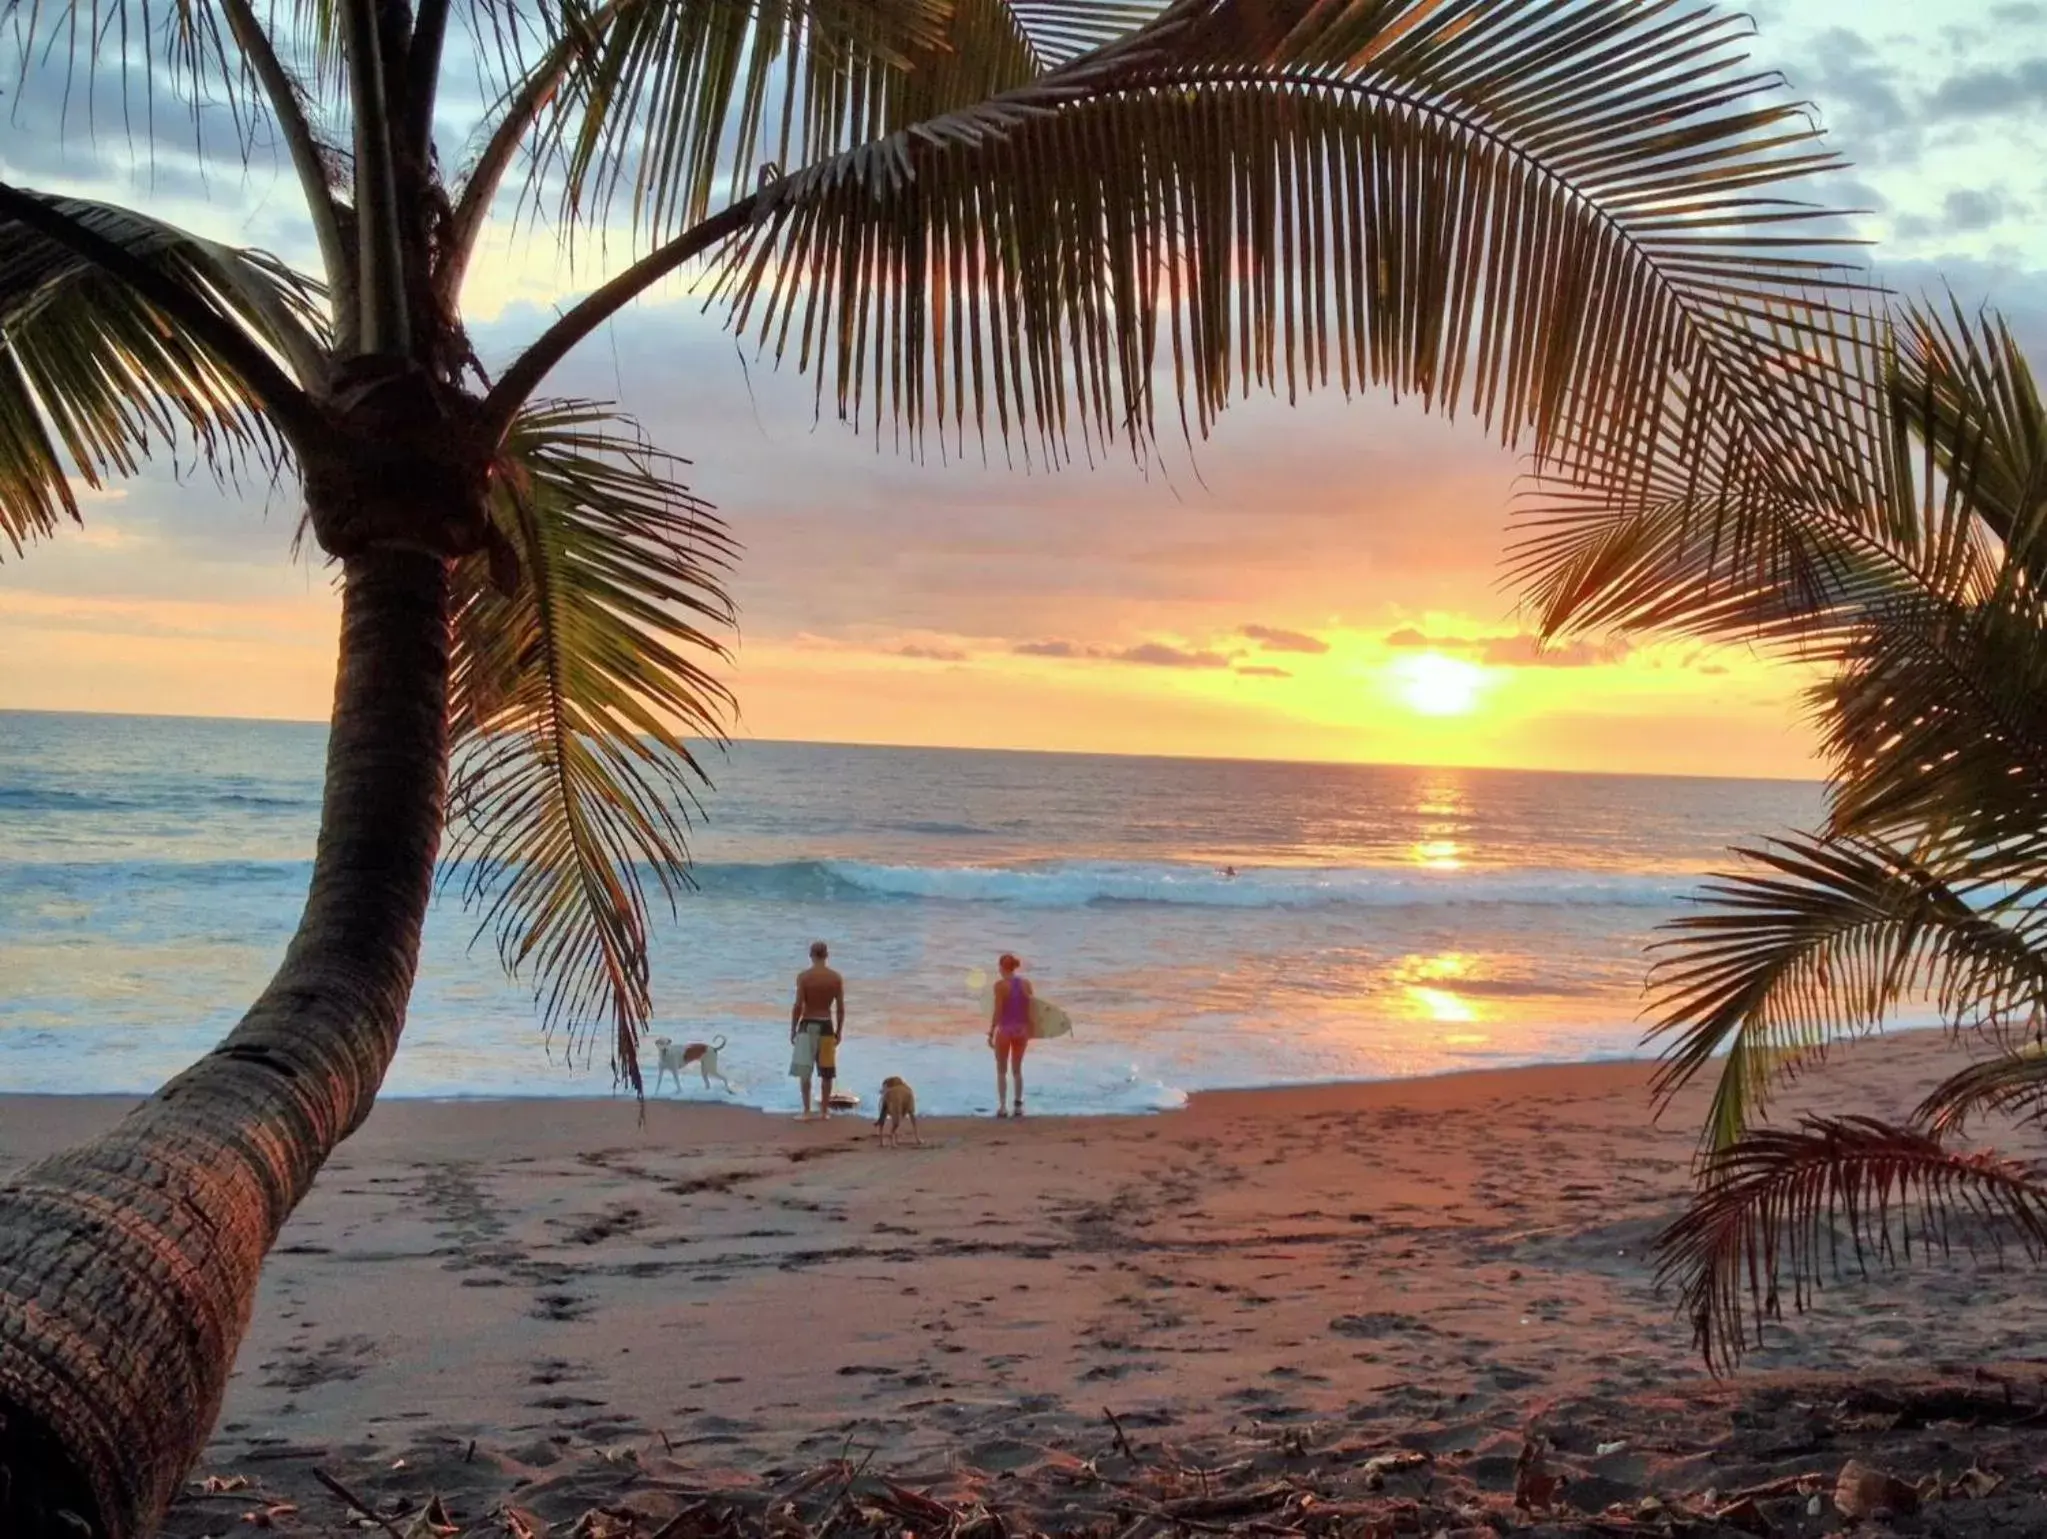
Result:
x=673 y=1059
x=898 y=1101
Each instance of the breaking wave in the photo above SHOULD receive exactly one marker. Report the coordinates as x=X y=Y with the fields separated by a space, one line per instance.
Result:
x=1078 y=884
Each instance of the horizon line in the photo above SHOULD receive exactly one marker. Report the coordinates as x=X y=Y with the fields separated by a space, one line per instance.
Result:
x=1054 y=753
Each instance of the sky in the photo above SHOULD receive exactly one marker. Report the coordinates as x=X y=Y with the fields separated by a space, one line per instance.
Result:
x=1317 y=582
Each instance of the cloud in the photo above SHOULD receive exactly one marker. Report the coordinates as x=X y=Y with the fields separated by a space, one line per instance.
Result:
x=1049 y=649
x=1862 y=96
x=1408 y=636
x=1273 y=639
x=1989 y=93
x=1148 y=654
x=1527 y=651
x=1971 y=208
x=1156 y=654
x=932 y=654
x=1263 y=672
x=1521 y=650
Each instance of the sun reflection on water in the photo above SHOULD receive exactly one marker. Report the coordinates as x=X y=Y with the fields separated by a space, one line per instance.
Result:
x=1429 y=985
x=1442 y=796
x=1442 y=812
x=1440 y=1004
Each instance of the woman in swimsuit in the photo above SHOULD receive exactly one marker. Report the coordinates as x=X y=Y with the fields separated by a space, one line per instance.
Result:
x=1009 y=1032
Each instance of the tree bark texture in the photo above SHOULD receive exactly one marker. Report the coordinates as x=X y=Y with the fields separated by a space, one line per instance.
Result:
x=128 y=1266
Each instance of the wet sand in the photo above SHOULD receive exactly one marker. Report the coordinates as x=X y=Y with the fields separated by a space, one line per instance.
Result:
x=547 y=1303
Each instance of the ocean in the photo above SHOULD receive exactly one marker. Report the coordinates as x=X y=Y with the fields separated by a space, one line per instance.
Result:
x=1381 y=921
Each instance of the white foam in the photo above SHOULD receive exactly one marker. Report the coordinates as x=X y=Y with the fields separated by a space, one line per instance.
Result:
x=1074 y=884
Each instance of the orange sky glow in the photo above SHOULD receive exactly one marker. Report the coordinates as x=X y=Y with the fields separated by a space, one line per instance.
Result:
x=1314 y=583
x=1319 y=583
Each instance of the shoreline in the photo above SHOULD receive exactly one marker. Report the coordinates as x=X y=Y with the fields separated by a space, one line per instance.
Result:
x=719 y=1299
x=99 y=1100
x=101 y=1105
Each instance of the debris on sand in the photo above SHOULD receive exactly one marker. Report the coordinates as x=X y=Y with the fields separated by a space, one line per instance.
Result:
x=1784 y=1458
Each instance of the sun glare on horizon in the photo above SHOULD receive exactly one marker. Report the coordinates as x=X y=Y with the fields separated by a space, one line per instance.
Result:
x=1436 y=685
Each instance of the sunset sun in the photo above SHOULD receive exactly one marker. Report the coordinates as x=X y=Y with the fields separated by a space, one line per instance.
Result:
x=1436 y=685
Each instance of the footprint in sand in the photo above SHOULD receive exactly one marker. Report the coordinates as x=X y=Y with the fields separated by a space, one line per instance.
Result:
x=1372 y=1326
x=556 y=1370
x=339 y=1360
x=561 y=1308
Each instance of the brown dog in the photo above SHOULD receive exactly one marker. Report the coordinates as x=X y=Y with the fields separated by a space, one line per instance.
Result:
x=898 y=1101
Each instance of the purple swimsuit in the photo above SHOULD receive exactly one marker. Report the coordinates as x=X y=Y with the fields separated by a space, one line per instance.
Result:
x=1015 y=1021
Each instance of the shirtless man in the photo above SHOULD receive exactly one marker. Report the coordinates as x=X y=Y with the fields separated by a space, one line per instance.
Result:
x=817 y=1023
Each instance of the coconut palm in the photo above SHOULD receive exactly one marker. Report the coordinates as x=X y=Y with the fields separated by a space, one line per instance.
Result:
x=1020 y=221
x=1914 y=576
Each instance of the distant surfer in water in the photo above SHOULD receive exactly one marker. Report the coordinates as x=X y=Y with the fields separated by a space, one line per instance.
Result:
x=1009 y=1032
x=817 y=1023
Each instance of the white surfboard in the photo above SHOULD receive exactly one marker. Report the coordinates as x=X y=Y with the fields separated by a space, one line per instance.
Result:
x=1048 y=1020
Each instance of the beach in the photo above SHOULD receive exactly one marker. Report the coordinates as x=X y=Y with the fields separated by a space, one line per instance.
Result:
x=548 y=1304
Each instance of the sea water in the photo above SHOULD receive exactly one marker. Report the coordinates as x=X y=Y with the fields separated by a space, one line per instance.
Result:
x=1380 y=921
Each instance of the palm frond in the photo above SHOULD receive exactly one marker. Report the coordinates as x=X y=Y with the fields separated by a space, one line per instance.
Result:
x=667 y=102
x=1934 y=723
x=1564 y=218
x=1915 y=486
x=157 y=61
x=574 y=700
x=93 y=376
x=1823 y=942
x=1962 y=388
x=2011 y=1084
x=1798 y=578
x=1769 y=1215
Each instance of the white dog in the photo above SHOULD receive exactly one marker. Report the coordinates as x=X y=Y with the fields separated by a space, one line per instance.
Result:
x=673 y=1060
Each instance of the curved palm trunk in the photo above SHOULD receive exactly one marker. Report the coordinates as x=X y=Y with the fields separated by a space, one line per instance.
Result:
x=128 y=1266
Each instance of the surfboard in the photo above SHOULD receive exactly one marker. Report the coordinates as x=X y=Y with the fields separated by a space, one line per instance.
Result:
x=842 y=1100
x=1048 y=1020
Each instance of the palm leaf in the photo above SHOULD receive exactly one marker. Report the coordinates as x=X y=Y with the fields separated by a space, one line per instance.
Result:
x=573 y=702
x=1964 y=390
x=666 y=103
x=1559 y=217
x=1823 y=942
x=184 y=54
x=1934 y=722
x=1936 y=447
x=93 y=376
x=2012 y=1084
x=1770 y=1209
x=1800 y=580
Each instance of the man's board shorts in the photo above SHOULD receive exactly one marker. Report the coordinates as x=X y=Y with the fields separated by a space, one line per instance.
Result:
x=827 y=1053
x=803 y=1054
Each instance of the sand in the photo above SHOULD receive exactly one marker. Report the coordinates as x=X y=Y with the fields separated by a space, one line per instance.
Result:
x=546 y=1307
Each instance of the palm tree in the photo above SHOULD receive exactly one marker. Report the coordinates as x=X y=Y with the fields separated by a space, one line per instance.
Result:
x=1914 y=575
x=1027 y=218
